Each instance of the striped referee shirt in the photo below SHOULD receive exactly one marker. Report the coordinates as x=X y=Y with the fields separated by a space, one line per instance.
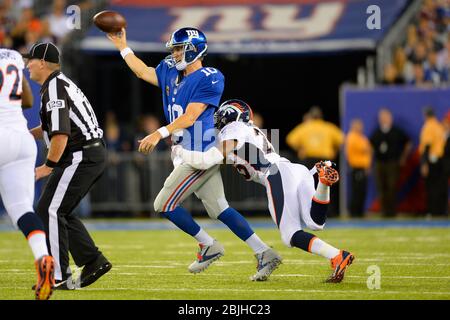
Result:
x=66 y=110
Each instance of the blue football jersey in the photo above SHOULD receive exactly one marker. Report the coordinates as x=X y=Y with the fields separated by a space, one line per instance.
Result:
x=204 y=86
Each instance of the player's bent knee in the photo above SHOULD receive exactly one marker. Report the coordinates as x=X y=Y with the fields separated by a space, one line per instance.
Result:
x=216 y=207
x=157 y=205
x=160 y=201
x=315 y=227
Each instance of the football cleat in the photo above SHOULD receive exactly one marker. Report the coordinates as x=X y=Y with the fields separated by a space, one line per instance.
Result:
x=45 y=268
x=267 y=262
x=94 y=270
x=340 y=263
x=327 y=174
x=205 y=256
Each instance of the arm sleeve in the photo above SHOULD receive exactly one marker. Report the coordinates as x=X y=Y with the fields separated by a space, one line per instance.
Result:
x=209 y=90
x=201 y=160
x=161 y=71
x=58 y=110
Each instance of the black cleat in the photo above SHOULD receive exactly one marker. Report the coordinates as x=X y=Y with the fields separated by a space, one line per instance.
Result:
x=94 y=270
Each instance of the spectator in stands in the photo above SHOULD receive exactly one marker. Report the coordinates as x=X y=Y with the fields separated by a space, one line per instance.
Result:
x=433 y=73
x=419 y=76
x=359 y=156
x=391 y=76
x=403 y=66
x=443 y=56
x=317 y=140
x=391 y=148
x=5 y=40
x=411 y=40
x=419 y=54
x=431 y=148
x=27 y=23
x=56 y=21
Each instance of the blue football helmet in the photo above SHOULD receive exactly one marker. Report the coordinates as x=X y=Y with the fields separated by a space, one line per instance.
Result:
x=194 y=46
x=232 y=110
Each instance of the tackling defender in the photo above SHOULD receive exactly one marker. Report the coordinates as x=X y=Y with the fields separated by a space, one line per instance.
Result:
x=294 y=202
x=17 y=158
x=191 y=94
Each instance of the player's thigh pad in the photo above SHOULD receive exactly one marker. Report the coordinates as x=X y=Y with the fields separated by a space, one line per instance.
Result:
x=181 y=183
x=283 y=203
x=212 y=194
x=17 y=175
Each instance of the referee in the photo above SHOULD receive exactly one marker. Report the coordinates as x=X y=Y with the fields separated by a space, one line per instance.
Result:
x=75 y=161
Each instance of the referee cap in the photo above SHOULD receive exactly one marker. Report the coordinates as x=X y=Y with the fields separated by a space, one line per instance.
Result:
x=43 y=51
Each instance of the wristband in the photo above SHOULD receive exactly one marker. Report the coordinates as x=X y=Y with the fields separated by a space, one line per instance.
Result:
x=164 y=132
x=51 y=164
x=125 y=51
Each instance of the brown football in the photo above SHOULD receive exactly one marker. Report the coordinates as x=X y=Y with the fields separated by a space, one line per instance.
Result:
x=109 y=21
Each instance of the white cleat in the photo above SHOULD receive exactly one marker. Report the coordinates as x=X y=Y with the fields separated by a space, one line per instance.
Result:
x=205 y=256
x=268 y=261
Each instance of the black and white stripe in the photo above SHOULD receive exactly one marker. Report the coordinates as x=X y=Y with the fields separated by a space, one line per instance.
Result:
x=65 y=109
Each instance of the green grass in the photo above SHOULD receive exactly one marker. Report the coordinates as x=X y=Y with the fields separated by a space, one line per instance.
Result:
x=414 y=264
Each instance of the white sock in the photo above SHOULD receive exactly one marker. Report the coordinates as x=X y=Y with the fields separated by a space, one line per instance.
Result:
x=257 y=245
x=36 y=240
x=322 y=194
x=204 y=238
x=323 y=249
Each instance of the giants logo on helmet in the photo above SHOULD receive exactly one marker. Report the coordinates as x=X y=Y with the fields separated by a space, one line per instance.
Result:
x=192 y=34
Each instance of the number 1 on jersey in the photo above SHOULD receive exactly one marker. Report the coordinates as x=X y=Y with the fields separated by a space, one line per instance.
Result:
x=175 y=111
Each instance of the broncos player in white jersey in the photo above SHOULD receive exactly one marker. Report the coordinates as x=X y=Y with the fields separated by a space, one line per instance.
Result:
x=294 y=202
x=17 y=160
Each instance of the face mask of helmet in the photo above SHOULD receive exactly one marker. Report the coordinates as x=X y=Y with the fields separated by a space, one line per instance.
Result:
x=189 y=54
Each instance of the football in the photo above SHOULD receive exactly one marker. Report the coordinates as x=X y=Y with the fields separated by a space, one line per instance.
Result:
x=109 y=21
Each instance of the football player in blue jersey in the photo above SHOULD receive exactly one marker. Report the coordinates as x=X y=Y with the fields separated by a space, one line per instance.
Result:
x=191 y=94
x=294 y=202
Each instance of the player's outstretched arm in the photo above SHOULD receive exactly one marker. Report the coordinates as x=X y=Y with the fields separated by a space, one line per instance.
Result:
x=140 y=69
x=205 y=160
x=27 y=95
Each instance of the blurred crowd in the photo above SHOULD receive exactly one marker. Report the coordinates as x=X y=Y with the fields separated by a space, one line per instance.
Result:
x=423 y=60
x=25 y=22
x=385 y=152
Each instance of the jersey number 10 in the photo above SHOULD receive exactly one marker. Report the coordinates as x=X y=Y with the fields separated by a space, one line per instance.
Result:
x=175 y=110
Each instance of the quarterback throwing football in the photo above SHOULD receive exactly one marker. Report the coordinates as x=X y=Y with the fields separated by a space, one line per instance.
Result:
x=191 y=94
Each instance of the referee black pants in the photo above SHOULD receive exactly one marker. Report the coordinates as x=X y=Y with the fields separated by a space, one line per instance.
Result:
x=66 y=186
